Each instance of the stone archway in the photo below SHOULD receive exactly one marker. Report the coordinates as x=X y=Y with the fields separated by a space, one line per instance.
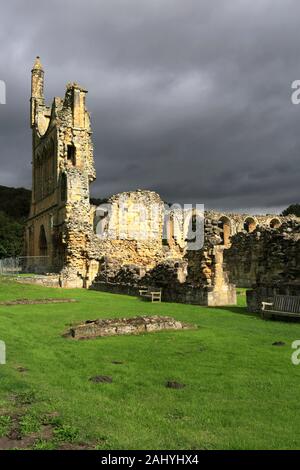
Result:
x=250 y=224
x=168 y=230
x=43 y=245
x=275 y=223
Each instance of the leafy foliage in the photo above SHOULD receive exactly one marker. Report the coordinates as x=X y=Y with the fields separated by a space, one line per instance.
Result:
x=29 y=424
x=15 y=202
x=5 y=422
x=11 y=236
x=14 y=209
x=66 y=433
x=293 y=209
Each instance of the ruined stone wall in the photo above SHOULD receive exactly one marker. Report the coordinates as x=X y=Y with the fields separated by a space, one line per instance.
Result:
x=187 y=276
x=254 y=255
x=268 y=260
x=141 y=242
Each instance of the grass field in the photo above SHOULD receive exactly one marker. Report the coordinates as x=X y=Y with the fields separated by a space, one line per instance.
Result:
x=241 y=391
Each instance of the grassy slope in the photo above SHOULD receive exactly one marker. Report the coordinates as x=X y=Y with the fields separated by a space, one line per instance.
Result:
x=241 y=391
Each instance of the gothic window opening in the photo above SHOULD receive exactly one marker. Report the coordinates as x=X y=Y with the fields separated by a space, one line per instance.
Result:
x=275 y=223
x=168 y=230
x=43 y=242
x=101 y=222
x=225 y=233
x=249 y=225
x=71 y=154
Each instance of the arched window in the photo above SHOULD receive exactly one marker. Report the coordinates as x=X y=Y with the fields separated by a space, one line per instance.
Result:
x=225 y=225
x=101 y=221
x=249 y=224
x=71 y=154
x=275 y=223
x=30 y=241
x=43 y=242
x=168 y=229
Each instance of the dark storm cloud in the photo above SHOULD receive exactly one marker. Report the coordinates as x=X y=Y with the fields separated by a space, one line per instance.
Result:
x=189 y=98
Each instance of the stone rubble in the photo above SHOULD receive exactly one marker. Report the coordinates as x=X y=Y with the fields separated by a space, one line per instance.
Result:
x=125 y=326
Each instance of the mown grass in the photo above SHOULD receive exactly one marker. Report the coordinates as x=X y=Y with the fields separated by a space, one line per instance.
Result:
x=241 y=392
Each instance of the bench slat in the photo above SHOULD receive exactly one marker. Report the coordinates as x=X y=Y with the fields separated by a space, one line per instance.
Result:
x=288 y=305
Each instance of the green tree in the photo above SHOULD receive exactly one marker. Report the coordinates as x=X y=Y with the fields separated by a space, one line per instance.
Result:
x=11 y=237
x=293 y=209
x=15 y=202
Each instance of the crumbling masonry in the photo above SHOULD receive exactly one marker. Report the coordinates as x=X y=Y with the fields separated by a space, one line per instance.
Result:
x=61 y=229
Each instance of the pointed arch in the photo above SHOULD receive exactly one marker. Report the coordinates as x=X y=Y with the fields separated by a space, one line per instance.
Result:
x=250 y=224
x=43 y=245
x=275 y=223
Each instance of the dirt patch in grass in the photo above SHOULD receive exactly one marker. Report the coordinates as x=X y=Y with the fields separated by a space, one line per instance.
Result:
x=173 y=384
x=105 y=379
x=14 y=438
x=8 y=444
x=22 y=369
x=26 y=431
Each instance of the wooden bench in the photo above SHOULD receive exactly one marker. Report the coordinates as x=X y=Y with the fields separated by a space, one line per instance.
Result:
x=282 y=305
x=150 y=294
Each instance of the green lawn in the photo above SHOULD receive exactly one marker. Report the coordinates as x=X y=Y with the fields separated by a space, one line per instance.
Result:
x=241 y=392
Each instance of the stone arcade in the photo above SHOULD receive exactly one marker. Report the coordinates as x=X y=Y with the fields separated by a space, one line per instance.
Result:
x=60 y=231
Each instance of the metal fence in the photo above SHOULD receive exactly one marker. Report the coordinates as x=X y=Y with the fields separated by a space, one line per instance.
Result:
x=24 y=265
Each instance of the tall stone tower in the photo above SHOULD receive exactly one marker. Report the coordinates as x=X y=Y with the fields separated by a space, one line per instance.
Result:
x=62 y=170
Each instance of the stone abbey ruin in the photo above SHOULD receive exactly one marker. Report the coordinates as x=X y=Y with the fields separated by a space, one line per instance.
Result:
x=238 y=249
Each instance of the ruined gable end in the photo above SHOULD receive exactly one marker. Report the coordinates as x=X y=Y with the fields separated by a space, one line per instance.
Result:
x=62 y=170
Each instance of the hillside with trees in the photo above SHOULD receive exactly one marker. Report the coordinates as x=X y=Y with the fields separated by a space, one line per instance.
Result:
x=14 y=209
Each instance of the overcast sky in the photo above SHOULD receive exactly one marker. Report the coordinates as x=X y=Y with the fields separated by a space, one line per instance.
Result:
x=190 y=98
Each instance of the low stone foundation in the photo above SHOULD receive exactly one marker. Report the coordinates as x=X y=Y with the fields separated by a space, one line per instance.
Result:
x=125 y=326
x=178 y=293
x=116 y=288
x=46 y=280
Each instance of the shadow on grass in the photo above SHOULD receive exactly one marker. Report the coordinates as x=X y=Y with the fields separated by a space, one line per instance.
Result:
x=238 y=310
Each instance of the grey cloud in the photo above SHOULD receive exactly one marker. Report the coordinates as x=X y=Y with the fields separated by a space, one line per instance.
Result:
x=191 y=99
